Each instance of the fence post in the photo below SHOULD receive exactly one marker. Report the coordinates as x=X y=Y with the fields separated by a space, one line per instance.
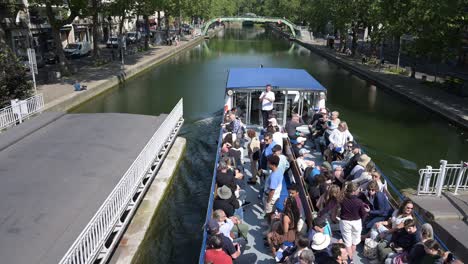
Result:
x=459 y=177
x=441 y=178
x=426 y=184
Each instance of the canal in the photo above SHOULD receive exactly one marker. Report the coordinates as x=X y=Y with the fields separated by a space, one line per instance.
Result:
x=400 y=136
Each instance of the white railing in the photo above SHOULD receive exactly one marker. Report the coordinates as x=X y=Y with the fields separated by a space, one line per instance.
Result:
x=90 y=244
x=450 y=177
x=20 y=110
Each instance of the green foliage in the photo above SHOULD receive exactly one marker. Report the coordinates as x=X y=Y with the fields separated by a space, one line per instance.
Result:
x=395 y=70
x=14 y=82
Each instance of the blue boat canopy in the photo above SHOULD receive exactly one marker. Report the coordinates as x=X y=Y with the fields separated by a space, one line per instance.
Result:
x=279 y=78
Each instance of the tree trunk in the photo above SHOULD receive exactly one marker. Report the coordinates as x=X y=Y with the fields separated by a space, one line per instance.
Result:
x=146 y=18
x=63 y=62
x=96 y=51
x=2 y=35
x=354 y=41
x=159 y=20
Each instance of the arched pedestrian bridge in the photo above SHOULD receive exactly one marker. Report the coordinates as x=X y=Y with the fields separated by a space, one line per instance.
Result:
x=257 y=19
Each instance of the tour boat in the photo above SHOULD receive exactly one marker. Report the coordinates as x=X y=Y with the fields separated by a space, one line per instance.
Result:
x=296 y=91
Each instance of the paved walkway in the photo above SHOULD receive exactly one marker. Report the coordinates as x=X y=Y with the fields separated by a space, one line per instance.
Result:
x=448 y=216
x=57 y=95
x=453 y=107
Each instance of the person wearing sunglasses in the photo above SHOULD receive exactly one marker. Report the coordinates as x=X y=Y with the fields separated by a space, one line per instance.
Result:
x=385 y=229
x=379 y=207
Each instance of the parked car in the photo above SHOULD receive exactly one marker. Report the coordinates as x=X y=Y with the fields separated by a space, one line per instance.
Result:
x=77 y=49
x=112 y=42
x=133 y=37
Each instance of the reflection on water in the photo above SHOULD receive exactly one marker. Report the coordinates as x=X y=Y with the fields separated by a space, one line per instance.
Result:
x=372 y=96
x=399 y=136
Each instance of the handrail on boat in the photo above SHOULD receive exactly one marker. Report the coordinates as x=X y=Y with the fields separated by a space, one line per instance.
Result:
x=209 y=210
x=401 y=198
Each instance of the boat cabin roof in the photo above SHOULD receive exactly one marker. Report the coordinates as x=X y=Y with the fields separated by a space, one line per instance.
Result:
x=279 y=78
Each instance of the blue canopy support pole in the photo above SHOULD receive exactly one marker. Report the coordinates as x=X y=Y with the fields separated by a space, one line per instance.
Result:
x=285 y=110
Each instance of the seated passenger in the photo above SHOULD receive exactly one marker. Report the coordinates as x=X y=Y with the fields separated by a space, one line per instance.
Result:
x=374 y=176
x=302 y=247
x=379 y=206
x=385 y=229
x=330 y=126
x=338 y=139
x=226 y=202
x=230 y=248
x=299 y=145
x=417 y=252
x=320 y=244
x=365 y=176
x=352 y=162
x=237 y=153
x=402 y=241
x=359 y=168
x=433 y=253
x=291 y=126
x=339 y=255
x=225 y=176
x=347 y=155
x=284 y=228
x=214 y=253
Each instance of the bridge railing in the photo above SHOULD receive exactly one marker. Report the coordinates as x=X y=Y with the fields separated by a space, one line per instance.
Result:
x=87 y=247
x=20 y=110
x=449 y=177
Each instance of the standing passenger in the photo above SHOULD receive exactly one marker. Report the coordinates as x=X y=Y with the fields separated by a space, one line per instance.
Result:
x=273 y=186
x=254 y=155
x=267 y=98
x=353 y=210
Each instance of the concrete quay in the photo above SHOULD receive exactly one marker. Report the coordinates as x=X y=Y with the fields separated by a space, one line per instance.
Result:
x=61 y=97
x=135 y=234
x=448 y=216
x=449 y=106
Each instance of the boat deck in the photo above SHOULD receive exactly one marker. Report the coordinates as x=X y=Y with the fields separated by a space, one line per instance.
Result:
x=256 y=251
x=54 y=179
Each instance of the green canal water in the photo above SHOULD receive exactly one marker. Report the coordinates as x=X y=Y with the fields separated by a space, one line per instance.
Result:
x=400 y=136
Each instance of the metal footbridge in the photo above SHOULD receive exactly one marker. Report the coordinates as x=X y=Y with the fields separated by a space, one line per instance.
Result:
x=256 y=19
x=70 y=183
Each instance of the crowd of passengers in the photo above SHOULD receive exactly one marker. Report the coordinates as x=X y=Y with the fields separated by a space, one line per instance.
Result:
x=347 y=193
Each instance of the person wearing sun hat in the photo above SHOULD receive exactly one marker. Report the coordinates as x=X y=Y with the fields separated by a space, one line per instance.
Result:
x=299 y=145
x=320 y=243
x=359 y=168
x=226 y=201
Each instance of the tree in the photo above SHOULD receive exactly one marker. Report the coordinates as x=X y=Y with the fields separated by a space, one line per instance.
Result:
x=95 y=10
x=14 y=82
x=59 y=15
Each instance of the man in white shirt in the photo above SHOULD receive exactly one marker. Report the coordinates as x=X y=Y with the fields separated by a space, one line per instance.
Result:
x=267 y=98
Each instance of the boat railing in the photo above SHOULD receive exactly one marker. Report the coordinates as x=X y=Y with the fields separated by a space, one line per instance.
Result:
x=209 y=210
x=19 y=110
x=112 y=217
x=392 y=191
x=299 y=179
x=448 y=177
